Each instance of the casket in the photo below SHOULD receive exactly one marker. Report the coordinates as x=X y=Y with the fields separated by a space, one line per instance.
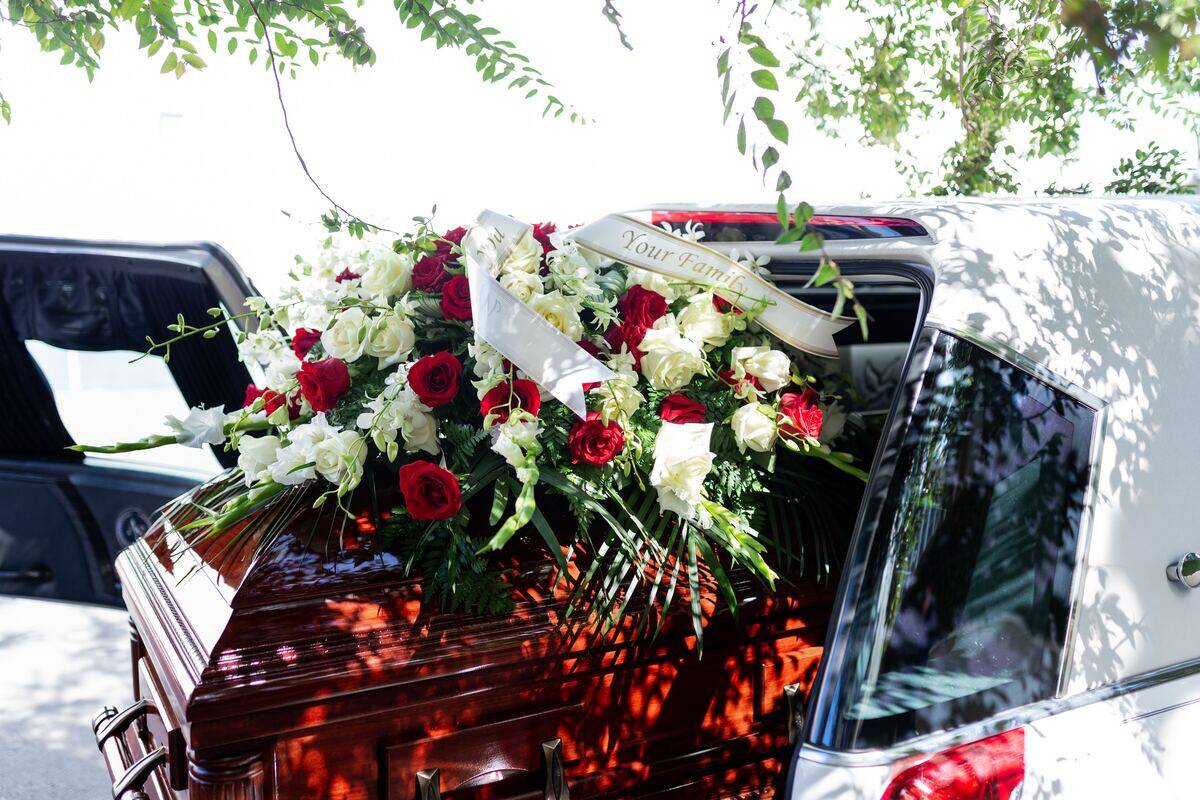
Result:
x=314 y=670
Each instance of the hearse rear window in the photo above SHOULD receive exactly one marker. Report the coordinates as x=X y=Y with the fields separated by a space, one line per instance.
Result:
x=959 y=602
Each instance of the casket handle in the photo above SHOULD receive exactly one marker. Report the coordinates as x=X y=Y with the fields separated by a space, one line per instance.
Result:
x=429 y=780
x=110 y=722
x=137 y=774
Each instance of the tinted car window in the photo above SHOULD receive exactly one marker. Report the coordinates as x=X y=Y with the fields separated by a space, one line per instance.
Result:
x=958 y=602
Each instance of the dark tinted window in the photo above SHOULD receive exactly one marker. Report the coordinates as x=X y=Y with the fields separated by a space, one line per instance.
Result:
x=958 y=602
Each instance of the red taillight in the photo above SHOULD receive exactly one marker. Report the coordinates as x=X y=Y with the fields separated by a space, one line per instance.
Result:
x=767 y=218
x=989 y=769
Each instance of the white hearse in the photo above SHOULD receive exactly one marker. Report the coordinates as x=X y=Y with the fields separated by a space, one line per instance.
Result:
x=1017 y=616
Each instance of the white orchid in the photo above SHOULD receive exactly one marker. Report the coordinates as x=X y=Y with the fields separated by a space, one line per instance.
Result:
x=201 y=426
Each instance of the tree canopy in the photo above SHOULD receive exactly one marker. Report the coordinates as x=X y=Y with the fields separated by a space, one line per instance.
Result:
x=1018 y=75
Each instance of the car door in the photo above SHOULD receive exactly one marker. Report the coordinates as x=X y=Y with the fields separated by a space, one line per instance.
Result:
x=73 y=315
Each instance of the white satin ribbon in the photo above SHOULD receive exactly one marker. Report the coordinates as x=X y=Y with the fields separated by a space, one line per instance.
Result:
x=639 y=244
x=518 y=332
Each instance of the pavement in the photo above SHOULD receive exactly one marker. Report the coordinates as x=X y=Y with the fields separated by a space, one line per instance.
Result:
x=59 y=664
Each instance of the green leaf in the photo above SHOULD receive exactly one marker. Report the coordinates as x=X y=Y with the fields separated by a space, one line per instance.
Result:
x=811 y=241
x=761 y=55
x=825 y=273
x=764 y=109
x=764 y=79
x=722 y=60
x=778 y=129
x=499 y=501
x=741 y=136
x=169 y=62
x=802 y=214
x=781 y=211
x=860 y=311
x=770 y=158
x=212 y=41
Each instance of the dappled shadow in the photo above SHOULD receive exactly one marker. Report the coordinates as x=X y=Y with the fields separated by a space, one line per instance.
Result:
x=1107 y=295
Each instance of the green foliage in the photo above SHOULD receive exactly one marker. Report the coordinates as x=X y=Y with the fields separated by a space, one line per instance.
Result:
x=1010 y=72
x=283 y=34
x=1150 y=170
x=452 y=573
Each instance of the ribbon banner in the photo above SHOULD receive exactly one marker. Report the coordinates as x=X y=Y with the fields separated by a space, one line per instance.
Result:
x=519 y=333
x=639 y=244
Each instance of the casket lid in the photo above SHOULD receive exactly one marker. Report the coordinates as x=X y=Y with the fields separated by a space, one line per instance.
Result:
x=305 y=632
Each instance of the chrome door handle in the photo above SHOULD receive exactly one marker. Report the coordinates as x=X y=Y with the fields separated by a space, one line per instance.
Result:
x=1186 y=571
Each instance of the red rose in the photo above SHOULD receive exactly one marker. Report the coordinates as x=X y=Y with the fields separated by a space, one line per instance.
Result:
x=680 y=410
x=450 y=239
x=346 y=275
x=726 y=375
x=628 y=334
x=303 y=340
x=724 y=306
x=456 y=298
x=323 y=382
x=430 y=492
x=503 y=398
x=272 y=401
x=594 y=352
x=593 y=442
x=429 y=274
x=435 y=378
x=541 y=232
x=642 y=307
x=799 y=415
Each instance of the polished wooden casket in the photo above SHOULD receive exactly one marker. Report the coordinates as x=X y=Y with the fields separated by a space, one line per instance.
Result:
x=314 y=670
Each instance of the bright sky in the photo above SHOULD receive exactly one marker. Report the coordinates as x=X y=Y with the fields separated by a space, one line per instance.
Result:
x=138 y=155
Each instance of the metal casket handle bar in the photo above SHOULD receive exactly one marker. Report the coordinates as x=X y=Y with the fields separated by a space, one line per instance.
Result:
x=139 y=771
x=110 y=722
x=429 y=780
x=1186 y=571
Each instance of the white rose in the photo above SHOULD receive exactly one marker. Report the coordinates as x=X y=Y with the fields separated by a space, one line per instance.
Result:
x=393 y=340
x=754 y=427
x=347 y=337
x=772 y=367
x=281 y=372
x=670 y=361
x=654 y=282
x=682 y=461
x=289 y=467
x=559 y=312
x=201 y=426
x=389 y=274
x=526 y=256
x=522 y=285
x=256 y=455
x=419 y=429
x=701 y=322
x=339 y=458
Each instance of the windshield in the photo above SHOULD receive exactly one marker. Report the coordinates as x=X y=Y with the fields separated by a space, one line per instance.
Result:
x=957 y=602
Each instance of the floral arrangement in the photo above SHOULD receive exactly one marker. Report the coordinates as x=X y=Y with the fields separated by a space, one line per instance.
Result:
x=371 y=369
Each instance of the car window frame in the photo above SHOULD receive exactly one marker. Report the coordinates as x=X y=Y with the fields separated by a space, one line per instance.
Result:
x=899 y=418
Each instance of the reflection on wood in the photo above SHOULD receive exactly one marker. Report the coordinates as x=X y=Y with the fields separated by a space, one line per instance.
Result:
x=314 y=672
